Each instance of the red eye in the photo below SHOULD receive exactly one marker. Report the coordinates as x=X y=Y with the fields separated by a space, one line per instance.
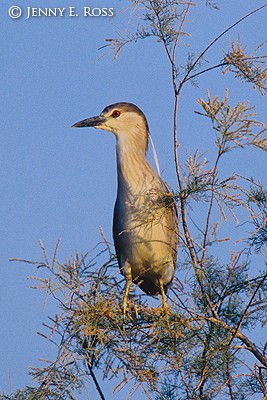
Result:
x=116 y=114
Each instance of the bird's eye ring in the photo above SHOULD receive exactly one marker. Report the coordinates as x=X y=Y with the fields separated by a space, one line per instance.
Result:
x=116 y=114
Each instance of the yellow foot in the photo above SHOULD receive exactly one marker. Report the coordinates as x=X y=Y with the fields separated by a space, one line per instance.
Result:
x=165 y=308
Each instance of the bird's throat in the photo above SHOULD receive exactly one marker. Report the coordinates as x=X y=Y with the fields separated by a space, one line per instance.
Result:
x=134 y=171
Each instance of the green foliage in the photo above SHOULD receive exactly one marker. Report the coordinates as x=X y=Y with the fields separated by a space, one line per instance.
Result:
x=188 y=352
x=203 y=346
x=257 y=200
x=233 y=126
x=247 y=68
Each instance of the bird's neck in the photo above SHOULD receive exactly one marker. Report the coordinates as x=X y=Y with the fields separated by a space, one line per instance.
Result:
x=134 y=171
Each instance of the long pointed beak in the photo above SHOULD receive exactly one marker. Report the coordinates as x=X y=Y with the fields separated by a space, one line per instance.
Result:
x=93 y=121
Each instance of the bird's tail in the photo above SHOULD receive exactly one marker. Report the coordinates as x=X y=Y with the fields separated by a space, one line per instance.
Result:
x=149 y=287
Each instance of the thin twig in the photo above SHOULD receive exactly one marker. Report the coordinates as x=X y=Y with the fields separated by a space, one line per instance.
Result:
x=186 y=77
x=247 y=307
x=222 y=64
x=98 y=388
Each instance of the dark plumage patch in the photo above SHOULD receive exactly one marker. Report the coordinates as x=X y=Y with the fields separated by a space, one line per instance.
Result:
x=149 y=287
x=125 y=107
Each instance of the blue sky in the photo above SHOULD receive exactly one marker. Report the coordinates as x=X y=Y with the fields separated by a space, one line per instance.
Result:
x=60 y=183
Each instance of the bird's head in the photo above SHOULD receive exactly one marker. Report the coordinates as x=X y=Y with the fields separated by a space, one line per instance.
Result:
x=123 y=119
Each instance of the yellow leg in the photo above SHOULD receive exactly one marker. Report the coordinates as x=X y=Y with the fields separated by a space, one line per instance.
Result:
x=125 y=298
x=165 y=306
x=136 y=311
x=128 y=276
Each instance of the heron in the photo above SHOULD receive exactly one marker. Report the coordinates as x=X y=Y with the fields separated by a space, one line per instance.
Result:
x=145 y=224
